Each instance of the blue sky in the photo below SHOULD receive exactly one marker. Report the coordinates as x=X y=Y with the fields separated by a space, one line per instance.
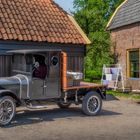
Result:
x=65 y=4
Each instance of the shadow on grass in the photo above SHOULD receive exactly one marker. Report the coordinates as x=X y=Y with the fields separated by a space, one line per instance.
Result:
x=26 y=117
x=110 y=97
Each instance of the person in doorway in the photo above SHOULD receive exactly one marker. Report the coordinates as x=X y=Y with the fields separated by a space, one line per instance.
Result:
x=39 y=68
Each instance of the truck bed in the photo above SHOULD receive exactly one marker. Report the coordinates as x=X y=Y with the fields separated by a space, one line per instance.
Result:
x=85 y=85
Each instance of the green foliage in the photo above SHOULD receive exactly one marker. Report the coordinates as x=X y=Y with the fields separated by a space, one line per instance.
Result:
x=93 y=74
x=93 y=16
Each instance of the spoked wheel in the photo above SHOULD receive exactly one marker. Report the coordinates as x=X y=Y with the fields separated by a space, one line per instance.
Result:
x=7 y=110
x=92 y=104
x=63 y=105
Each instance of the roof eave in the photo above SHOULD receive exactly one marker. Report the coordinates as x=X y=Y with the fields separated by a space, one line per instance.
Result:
x=87 y=41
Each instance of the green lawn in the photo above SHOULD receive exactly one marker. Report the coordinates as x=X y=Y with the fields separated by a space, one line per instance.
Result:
x=93 y=81
x=131 y=96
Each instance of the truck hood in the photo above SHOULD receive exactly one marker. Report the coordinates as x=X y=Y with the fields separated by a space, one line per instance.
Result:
x=14 y=80
x=9 y=81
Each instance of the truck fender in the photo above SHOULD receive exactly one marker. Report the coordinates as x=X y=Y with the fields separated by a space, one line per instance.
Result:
x=11 y=94
x=101 y=92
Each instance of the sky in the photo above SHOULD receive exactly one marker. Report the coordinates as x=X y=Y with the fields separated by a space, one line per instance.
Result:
x=67 y=5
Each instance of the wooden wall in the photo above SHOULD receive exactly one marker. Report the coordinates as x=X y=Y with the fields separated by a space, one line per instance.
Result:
x=75 y=53
x=5 y=65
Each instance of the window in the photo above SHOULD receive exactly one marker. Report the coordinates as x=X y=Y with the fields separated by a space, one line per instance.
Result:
x=134 y=64
x=54 y=60
x=19 y=62
x=39 y=68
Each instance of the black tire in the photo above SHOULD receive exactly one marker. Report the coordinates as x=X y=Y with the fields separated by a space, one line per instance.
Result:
x=64 y=105
x=92 y=104
x=7 y=110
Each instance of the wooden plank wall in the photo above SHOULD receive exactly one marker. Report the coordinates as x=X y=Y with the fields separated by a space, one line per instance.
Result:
x=5 y=65
x=75 y=53
x=76 y=63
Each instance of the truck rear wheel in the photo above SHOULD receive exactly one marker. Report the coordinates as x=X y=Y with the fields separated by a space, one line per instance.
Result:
x=7 y=110
x=92 y=104
x=63 y=105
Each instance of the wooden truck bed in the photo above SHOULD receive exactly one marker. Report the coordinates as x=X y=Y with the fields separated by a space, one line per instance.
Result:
x=85 y=85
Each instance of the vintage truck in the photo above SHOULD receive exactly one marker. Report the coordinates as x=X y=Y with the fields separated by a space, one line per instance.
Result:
x=41 y=76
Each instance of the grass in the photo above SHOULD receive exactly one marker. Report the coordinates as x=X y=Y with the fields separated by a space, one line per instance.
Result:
x=131 y=96
x=93 y=81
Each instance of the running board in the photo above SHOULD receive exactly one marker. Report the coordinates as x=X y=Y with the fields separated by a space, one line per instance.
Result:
x=36 y=107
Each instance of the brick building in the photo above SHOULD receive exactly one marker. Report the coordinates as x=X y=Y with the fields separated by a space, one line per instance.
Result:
x=125 y=35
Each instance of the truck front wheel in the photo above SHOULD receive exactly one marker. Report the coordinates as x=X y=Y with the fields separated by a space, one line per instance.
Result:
x=92 y=104
x=7 y=110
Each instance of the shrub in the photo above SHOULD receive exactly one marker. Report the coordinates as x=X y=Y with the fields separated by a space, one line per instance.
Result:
x=93 y=75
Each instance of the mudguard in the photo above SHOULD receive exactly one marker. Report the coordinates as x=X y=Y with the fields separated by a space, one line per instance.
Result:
x=5 y=92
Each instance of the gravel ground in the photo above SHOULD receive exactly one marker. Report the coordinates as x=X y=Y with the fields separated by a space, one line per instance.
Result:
x=119 y=120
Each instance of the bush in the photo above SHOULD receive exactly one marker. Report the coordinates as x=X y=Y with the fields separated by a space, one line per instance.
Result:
x=93 y=75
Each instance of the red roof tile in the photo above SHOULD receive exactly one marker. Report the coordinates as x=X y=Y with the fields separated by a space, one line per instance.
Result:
x=37 y=20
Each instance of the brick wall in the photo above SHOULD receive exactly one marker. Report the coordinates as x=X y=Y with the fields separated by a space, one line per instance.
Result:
x=125 y=38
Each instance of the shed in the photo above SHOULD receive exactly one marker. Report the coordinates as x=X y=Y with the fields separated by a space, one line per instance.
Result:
x=39 y=24
x=125 y=35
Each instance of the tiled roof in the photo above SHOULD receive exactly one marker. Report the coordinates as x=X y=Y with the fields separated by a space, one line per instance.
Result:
x=126 y=14
x=37 y=20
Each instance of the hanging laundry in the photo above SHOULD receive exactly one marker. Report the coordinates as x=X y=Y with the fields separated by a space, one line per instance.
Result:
x=107 y=71
x=114 y=70
x=109 y=77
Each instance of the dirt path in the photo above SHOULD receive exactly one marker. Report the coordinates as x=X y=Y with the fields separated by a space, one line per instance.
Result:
x=119 y=120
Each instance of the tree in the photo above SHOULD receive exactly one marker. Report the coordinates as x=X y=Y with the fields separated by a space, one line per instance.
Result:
x=93 y=16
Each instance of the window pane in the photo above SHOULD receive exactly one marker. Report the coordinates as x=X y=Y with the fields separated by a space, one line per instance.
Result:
x=134 y=55
x=134 y=64
x=134 y=74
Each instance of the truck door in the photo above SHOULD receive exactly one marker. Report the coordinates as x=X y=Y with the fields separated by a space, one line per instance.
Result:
x=53 y=79
x=37 y=89
x=47 y=83
x=39 y=73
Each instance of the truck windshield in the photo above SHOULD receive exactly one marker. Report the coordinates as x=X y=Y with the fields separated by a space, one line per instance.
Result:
x=20 y=66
